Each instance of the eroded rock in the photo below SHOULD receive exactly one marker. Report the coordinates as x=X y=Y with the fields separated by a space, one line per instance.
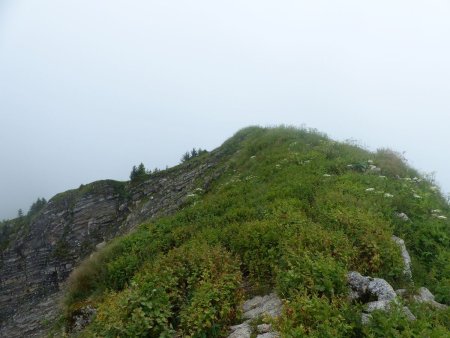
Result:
x=364 y=288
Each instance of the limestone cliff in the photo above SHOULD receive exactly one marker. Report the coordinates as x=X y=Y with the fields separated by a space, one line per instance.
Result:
x=42 y=254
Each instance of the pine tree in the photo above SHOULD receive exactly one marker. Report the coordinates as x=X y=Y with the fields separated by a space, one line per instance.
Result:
x=186 y=157
x=138 y=173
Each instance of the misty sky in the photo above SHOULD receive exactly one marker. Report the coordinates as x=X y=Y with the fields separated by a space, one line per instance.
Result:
x=89 y=88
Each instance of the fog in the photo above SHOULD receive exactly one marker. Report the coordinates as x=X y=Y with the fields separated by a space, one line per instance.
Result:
x=90 y=88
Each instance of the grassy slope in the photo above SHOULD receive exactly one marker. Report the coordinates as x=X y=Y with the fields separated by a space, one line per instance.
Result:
x=287 y=214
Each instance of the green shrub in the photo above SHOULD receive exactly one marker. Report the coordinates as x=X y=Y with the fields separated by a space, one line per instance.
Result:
x=394 y=323
x=194 y=289
x=311 y=273
x=313 y=316
x=257 y=244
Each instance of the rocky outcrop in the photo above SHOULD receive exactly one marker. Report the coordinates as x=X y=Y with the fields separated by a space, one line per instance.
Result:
x=367 y=288
x=405 y=256
x=43 y=253
x=269 y=306
x=375 y=292
x=46 y=250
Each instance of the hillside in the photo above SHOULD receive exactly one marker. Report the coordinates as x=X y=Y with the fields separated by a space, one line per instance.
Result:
x=280 y=211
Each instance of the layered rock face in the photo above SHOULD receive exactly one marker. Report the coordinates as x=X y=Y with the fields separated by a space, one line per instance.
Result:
x=38 y=260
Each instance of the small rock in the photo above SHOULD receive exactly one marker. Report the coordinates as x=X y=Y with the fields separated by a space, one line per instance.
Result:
x=259 y=306
x=83 y=318
x=269 y=335
x=402 y=216
x=425 y=296
x=264 y=328
x=408 y=313
x=382 y=305
x=100 y=245
x=401 y=292
x=243 y=330
x=269 y=305
x=365 y=318
x=374 y=169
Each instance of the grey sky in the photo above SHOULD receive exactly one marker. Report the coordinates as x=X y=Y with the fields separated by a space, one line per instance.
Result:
x=89 y=88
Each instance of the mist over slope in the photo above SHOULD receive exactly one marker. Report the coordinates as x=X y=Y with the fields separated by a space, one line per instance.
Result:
x=279 y=210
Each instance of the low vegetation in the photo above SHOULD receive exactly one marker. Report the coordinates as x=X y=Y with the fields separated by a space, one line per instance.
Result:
x=292 y=211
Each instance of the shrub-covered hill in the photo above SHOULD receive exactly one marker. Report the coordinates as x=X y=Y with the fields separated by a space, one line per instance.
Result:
x=292 y=212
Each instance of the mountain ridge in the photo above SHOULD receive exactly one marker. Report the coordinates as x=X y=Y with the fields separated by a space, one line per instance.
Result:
x=281 y=208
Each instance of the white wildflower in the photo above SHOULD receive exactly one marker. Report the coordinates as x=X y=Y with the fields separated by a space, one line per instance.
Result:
x=388 y=195
x=370 y=189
